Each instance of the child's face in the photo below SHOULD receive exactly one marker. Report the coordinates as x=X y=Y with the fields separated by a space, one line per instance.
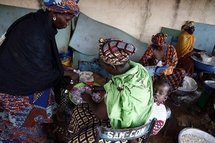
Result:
x=161 y=93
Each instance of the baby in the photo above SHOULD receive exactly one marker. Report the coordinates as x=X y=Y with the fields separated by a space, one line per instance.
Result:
x=161 y=91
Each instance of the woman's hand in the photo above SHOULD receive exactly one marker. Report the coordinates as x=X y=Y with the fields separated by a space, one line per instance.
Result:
x=86 y=97
x=159 y=70
x=97 y=88
x=71 y=74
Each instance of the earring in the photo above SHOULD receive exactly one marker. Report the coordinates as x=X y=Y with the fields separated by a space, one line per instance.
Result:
x=54 y=18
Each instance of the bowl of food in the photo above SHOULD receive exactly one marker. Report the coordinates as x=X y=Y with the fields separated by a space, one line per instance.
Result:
x=194 y=135
x=78 y=89
x=188 y=85
x=205 y=58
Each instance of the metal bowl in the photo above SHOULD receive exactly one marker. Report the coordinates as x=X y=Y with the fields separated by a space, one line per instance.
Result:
x=201 y=136
x=204 y=66
x=209 y=84
x=188 y=85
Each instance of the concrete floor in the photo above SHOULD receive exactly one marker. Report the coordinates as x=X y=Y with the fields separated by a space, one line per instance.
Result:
x=185 y=115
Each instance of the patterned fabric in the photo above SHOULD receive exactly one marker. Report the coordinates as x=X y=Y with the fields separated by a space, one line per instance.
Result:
x=22 y=116
x=62 y=6
x=83 y=124
x=115 y=52
x=129 y=97
x=187 y=25
x=158 y=39
x=172 y=74
x=175 y=79
x=170 y=59
x=159 y=112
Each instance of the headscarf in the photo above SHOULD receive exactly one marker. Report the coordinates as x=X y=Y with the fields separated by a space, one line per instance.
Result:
x=187 y=25
x=115 y=52
x=62 y=6
x=158 y=39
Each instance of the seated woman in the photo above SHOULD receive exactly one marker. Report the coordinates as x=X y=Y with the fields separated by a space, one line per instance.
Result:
x=184 y=47
x=164 y=58
x=128 y=99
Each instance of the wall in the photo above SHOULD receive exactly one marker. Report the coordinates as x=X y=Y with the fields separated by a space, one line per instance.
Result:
x=31 y=4
x=8 y=14
x=141 y=18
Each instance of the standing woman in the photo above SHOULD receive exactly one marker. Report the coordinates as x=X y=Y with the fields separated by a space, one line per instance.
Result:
x=184 y=47
x=30 y=68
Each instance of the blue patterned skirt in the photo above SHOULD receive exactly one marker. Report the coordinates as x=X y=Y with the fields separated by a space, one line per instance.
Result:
x=21 y=117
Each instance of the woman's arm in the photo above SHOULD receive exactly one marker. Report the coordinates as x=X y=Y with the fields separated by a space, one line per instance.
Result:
x=172 y=58
x=72 y=74
x=172 y=61
x=99 y=109
x=147 y=55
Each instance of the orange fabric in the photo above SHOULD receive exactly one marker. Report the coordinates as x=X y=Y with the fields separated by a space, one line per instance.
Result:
x=170 y=59
x=173 y=75
x=168 y=71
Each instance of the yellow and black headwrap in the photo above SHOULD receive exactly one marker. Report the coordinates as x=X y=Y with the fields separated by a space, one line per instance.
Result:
x=187 y=25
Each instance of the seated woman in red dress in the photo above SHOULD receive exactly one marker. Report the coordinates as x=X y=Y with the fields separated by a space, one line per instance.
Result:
x=164 y=58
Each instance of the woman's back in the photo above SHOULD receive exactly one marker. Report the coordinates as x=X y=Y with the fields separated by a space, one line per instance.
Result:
x=129 y=97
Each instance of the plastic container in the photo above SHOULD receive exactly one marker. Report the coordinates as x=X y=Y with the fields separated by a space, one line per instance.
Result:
x=201 y=136
x=204 y=67
x=66 y=58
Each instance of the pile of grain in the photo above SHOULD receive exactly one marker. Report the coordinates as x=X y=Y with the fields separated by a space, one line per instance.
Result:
x=189 y=138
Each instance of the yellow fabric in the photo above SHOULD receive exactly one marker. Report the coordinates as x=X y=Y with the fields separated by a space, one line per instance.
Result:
x=185 y=44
